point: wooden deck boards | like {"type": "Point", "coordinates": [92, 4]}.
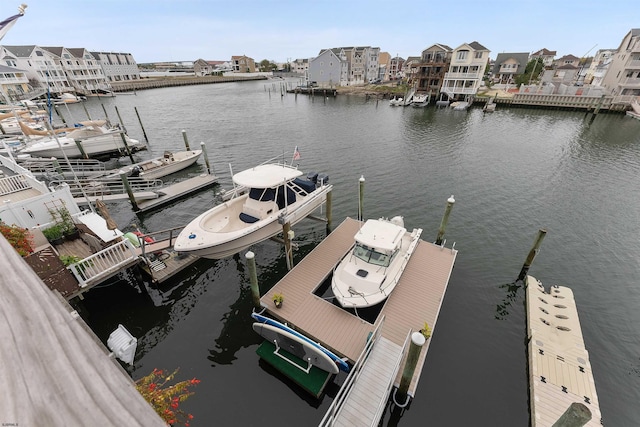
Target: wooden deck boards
{"type": "Point", "coordinates": [57, 373]}
{"type": "Point", "coordinates": [416, 299]}
{"type": "Point", "coordinates": [177, 190]}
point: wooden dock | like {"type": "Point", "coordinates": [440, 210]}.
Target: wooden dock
{"type": "Point", "coordinates": [177, 190]}
{"type": "Point", "coordinates": [416, 299]}
{"type": "Point", "coordinates": [559, 369]}
{"type": "Point", "coordinates": [59, 373]}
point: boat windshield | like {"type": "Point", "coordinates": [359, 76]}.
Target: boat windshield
{"type": "Point", "coordinates": [262, 194]}
{"type": "Point", "coordinates": [370, 255]}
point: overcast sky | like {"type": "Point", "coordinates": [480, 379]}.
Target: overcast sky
{"type": "Point", "coordinates": [281, 30]}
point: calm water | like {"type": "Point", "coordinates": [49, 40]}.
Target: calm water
{"type": "Point", "coordinates": [512, 172]}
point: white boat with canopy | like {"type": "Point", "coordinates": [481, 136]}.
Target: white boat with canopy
{"type": "Point", "coordinates": [367, 275]}
{"type": "Point", "coordinates": [275, 194]}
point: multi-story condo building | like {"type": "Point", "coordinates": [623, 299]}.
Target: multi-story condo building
{"type": "Point", "coordinates": [117, 66]}
{"type": "Point", "coordinates": [13, 83]}
{"type": "Point", "coordinates": [428, 72]}
{"type": "Point", "coordinates": [83, 71]}
{"type": "Point", "coordinates": [466, 70]}
{"type": "Point", "coordinates": [623, 75]}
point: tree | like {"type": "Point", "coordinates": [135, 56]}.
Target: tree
{"type": "Point", "coordinates": [531, 72]}
{"type": "Point", "coordinates": [266, 65]}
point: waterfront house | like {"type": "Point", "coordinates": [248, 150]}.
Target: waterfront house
{"type": "Point", "coordinates": [383, 65]}
{"type": "Point", "coordinates": [409, 67]}
{"type": "Point", "coordinates": [598, 67]}
{"type": "Point", "coordinates": [14, 82]}
{"type": "Point", "coordinates": [567, 60]}
{"type": "Point", "coordinates": [509, 65]}
{"type": "Point", "coordinates": [329, 69]}
{"type": "Point", "coordinates": [546, 55]}
{"type": "Point", "coordinates": [82, 70]}
{"type": "Point", "coordinates": [202, 67]}
{"type": "Point", "coordinates": [395, 68]}
{"type": "Point", "coordinates": [430, 70]}
{"type": "Point", "coordinates": [243, 64]}
{"type": "Point", "coordinates": [466, 70]}
{"type": "Point", "coordinates": [300, 66]}
{"type": "Point", "coordinates": [623, 75]}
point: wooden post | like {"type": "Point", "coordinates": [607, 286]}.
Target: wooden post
{"type": "Point", "coordinates": [532, 254]}
{"type": "Point", "coordinates": [56, 165]}
{"type": "Point", "coordinates": [186, 140]}
{"type": "Point", "coordinates": [79, 145]}
{"type": "Point", "coordinates": [126, 146]}
{"type": "Point", "coordinates": [253, 277]}
{"type": "Point", "coordinates": [361, 198]}
{"type": "Point", "coordinates": [120, 118]}
{"type": "Point", "coordinates": [86, 111]}
{"type": "Point", "coordinates": [125, 182]}
{"type": "Point", "coordinates": [328, 208]}
{"type": "Point", "coordinates": [141, 126]}
{"type": "Point", "coordinates": [417, 341]}
{"type": "Point", "coordinates": [206, 157]}
{"type": "Point", "coordinates": [445, 219]}
{"type": "Point", "coordinates": [60, 115]}
{"type": "Point", "coordinates": [576, 415]}
{"type": "Point", "coordinates": [288, 234]}
{"type": "Point", "coordinates": [106, 116]}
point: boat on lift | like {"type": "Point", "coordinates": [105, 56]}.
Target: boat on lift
{"type": "Point", "coordinates": [266, 197]}
{"type": "Point", "coordinates": [368, 274]}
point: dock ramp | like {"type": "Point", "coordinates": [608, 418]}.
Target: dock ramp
{"type": "Point", "coordinates": [364, 394]}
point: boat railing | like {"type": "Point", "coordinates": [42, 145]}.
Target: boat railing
{"type": "Point", "coordinates": [53, 166]}
{"type": "Point", "coordinates": [330, 416]}
{"type": "Point", "coordinates": [415, 238]}
{"type": "Point", "coordinates": [104, 263]}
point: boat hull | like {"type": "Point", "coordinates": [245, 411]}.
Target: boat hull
{"type": "Point", "coordinates": [101, 145]}
{"type": "Point", "coordinates": [213, 234]}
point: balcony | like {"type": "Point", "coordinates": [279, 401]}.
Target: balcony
{"type": "Point", "coordinates": [630, 83]}
{"type": "Point", "coordinates": [462, 76]}
{"type": "Point", "coordinates": [635, 64]}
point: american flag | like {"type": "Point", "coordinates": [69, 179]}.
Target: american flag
{"type": "Point", "coordinates": [8, 23]}
{"type": "Point", "coordinates": [296, 154]}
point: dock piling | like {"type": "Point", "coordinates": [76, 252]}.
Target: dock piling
{"type": "Point", "coordinates": [253, 278]}
{"type": "Point", "coordinates": [81, 148]}
{"type": "Point", "coordinates": [328, 207]}
{"type": "Point", "coordinates": [120, 118]}
{"type": "Point", "coordinates": [206, 157]}
{"type": "Point", "coordinates": [417, 341]}
{"type": "Point", "coordinates": [56, 165]}
{"type": "Point", "coordinates": [361, 198]}
{"type": "Point", "coordinates": [86, 111]}
{"type": "Point", "coordinates": [576, 415]}
{"type": "Point", "coordinates": [532, 254]}
{"type": "Point", "coordinates": [126, 147]}
{"type": "Point", "coordinates": [288, 235]}
{"type": "Point", "coordinates": [141, 126]}
{"type": "Point", "coordinates": [445, 219]}
{"type": "Point", "coordinates": [127, 186]}
{"type": "Point", "coordinates": [186, 140]}
{"type": "Point", "coordinates": [106, 116]}
{"type": "Point", "coordinates": [64, 122]}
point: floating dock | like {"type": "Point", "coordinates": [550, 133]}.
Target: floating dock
{"type": "Point", "coordinates": [177, 190]}
{"type": "Point", "coordinates": [560, 374]}
{"type": "Point", "coordinates": [416, 299]}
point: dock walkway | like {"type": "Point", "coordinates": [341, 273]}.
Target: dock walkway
{"type": "Point", "coordinates": [559, 369]}
{"type": "Point", "coordinates": [416, 299]}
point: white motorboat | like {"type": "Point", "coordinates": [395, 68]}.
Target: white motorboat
{"type": "Point", "coordinates": [276, 194]}
{"type": "Point", "coordinates": [420, 100]}
{"type": "Point", "coordinates": [95, 137]}
{"type": "Point", "coordinates": [394, 102]}
{"type": "Point", "coordinates": [158, 167]}
{"type": "Point", "coordinates": [367, 275]}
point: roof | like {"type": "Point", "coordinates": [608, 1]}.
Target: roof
{"type": "Point", "coordinates": [544, 52]}
{"type": "Point", "coordinates": [5, 69]}
{"type": "Point", "coordinates": [522, 58]}
{"type": "Point", "coordinates": [78, 52]}
{"type": "Point", "coordinates": [477, 46]}
{"type": "Point", "coordinates": [21, 51]}
{"type": "Point", "coordinates": [266, 176]}
{"type": "Point", "coordinates": [440, 46]}
{"type": "Point", "coordinates": [382, 235]}
{"type": "Point", "coordinates": [56, 50]}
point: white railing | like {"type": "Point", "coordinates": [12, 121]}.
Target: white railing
{"type": "Point", "coordinates": [330, 416]}
{"type": "Point", "coordinates": [13, 184]}
{"type": "Point", "coordinates": [103, 263]}
{"type": "Point", "coordinates": [470, 76]}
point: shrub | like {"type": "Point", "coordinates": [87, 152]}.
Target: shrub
{"type": "Point", "coordinates": [164, 398]}
{"type": "Point", "coordinates": [20, 238]}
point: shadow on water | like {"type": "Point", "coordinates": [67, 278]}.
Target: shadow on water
{"type": "Point", "coordinates": [511, 293]}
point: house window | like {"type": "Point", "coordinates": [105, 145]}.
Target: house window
{"type": "Point", "coordinates": [462, 55]}
{"type": "Point", "coordinates": [39, 53]}
{"type": "Point", "coordinates": [478, 55]}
